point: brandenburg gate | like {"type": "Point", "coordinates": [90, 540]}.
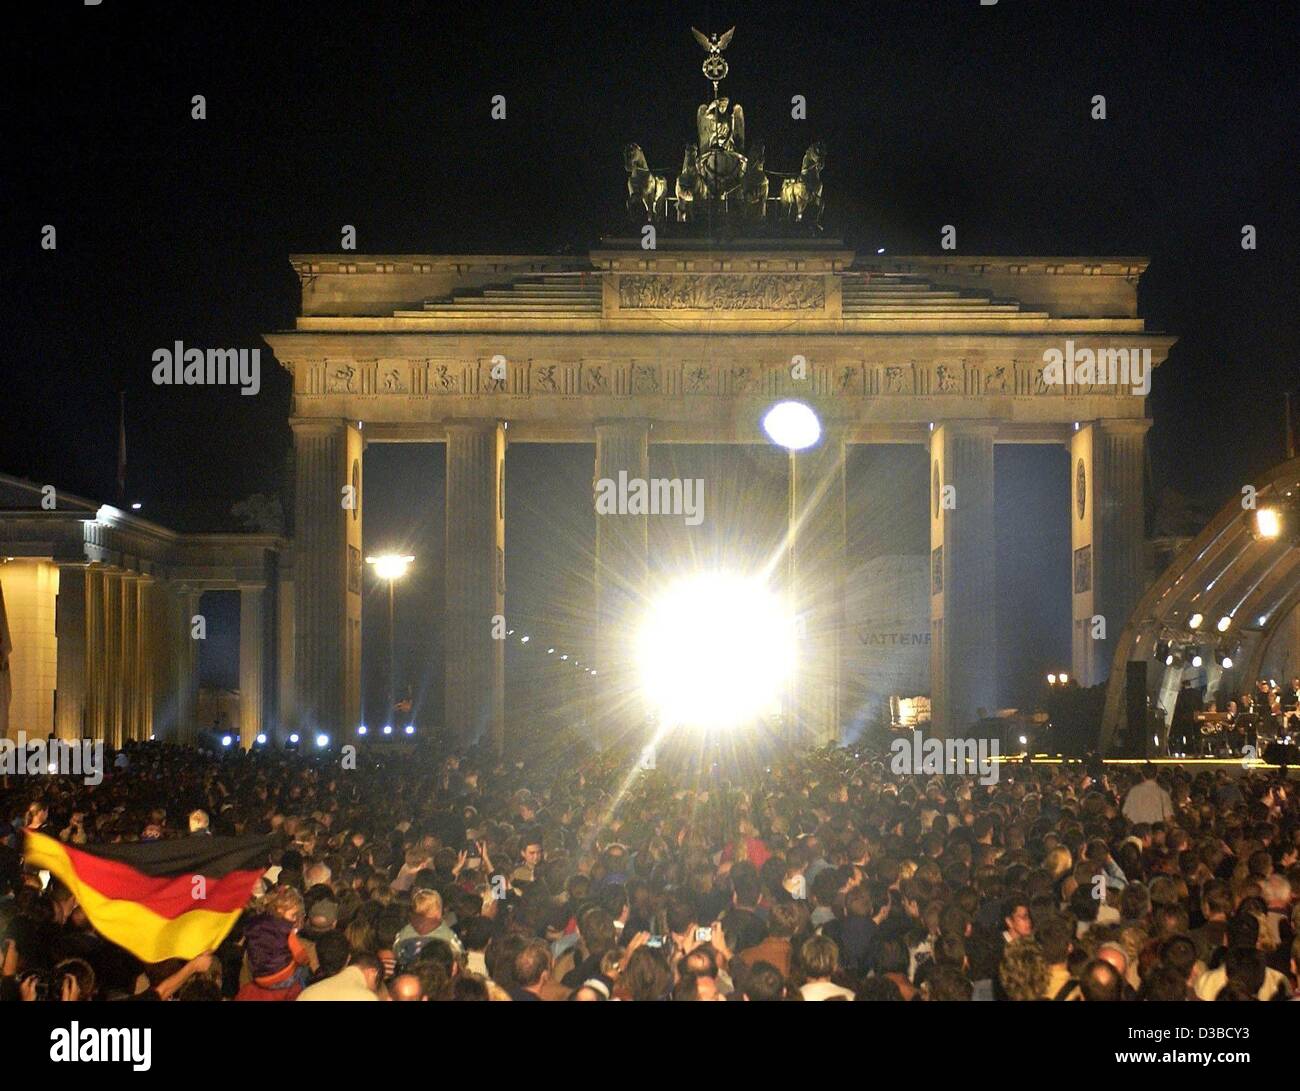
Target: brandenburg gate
{"type": "Point", "coordinates": [691, 343]}
{"type": "Point", "coordinates": [722, 300]}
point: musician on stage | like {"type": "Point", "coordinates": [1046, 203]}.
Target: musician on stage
{"type": "Point", "coordinates": [1233, 735]}
{"type": "Point", "coordinates": [1184, 731]}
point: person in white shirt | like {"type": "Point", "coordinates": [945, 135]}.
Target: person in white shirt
{"type": "Point", "coordinates": [1147, 801]}
{"type": "Point", "coordinates": [356, 981]}
{"type": "Point", "coordinates": [820, 959]}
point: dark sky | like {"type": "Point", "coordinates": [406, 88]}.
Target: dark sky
{"type": "Point", "coordinates": [377, 115]}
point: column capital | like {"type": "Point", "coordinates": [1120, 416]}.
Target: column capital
{"type": "Point", "coordinates": [969, 426]}
{"type": "Point", "coordinates": [642, 422]}
{"type": "Point", "coordinates": [1138, 426]}
{"type": "Point", "coordinates": [321, 425]}
{"type": "Point", "coordinates": [474, 424]}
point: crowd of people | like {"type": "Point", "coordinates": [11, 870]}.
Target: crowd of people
{"type": "Point", "coordinates": [567, 874]}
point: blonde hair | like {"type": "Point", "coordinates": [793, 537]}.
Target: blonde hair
{"type": "Point", "coordinates": [282, 901]}
{"type": "Point", "coordinates": [1058, 861]}
{"type": "Point", "coordinates": [427, 903]}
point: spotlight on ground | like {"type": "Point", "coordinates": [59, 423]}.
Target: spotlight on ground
{"type": "Point", "coordinates": [322, 740]}
{"type": "Point", "coordinates": [261, 740]}
{"type": "Point", "coordinates": [715, 651]}
{"type": "Point", "coordinates": [362, 730]}
{"type": "Point", "coordinates": [226, 740]}
{"type": "Point", "coordinates": [792, 425]}
{"type": "Point", "coordinates": [410, 729]}
{"type": "Point", "coordinates": [293, 739]}
{"type": "Point", "coordinates": [388, 729]}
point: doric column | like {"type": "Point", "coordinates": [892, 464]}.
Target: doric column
{"type": "Point", "coordinates": [622, 557]}
{"type": "Point", "coordinates": [1106, 534]}
{"type": "Point", "coordinates": [252, 649]}
{"type": "Point", "coordinates": [816, 547]}
{"type": "Point", "coordinates": [475, 580]}
{"type": "Point", "coordinates": [327, 571]}
{"type": "Point", "coordinates": [284, 658]}
{"type": "Point", "coordinates": [113, 658]}
{"type": "Point", "coordinates": [130, 664]}
{"type": "Point", "coordinates": [70, 633]}
{"type": "Point", "coordinates": [147, 656]}
{"type": "Point", "coordinates": [96, 653]}
{"type": "Point", "coordinates": [187, 666]}
{"type": "Point", "coordinates": [962, 590]}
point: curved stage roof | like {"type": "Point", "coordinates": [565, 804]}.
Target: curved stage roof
{"type": "Point", "coordinates": [1228, 571]}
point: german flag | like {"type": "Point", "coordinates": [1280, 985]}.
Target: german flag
{"type": "Point", "coordinates": [158, 899]}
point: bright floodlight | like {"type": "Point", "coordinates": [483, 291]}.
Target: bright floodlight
{"type": "Point", "coordinates": [410, 729]}
{"type": "Point", "coordinates": [1224, 623]}
{"type": "Point", "coordinates": [388, 729]}
{"type": "Point", "coordinates": [1227, 662]}
{"type": "Point", "coordinates": [1268, 523]}
{"type": "Point", "coordinates": [1194, 622]}
{"type": "Point", "coordinates": [792, 425]}
{"type": "Point", "coordinates": [294, 738]}
{"type": "Point", "coordinates": [715, 651]}
{"type": "Point", "coordinates": [1051, 679]}
{"type": "Point", "coordinates": [362, 729]}
{"type": "Point", "coordinates": [1064, 678]}
{"type": "Point", "coordinates": [226, 740]}
{"type": "Point", "coordinates": [261, 740]}
{"type": "Point", "coordinates": [390, 566]}
{"type": "Point", "coordinates": [322, 740]}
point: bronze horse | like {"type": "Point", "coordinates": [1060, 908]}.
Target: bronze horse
{"type": "Point", "coordinates": [647, 193]}
{"type": "Point", "coordinates": [754, 185]}
{"type": "Point", "coordinates": [689, 187]}
{"type": "Point", "coordinates": [802, 195]}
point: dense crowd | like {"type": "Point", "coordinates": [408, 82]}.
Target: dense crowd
{"type": "Point", "coordinates": [569, 874]}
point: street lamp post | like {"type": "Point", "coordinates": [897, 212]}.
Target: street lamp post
{"type": "Point", "coordinates": [796, 427]}
{"type": "Point", "coordinates": [391, 567]}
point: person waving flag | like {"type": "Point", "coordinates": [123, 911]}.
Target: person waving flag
{"type": "Point", "coordinates": [158, 899]}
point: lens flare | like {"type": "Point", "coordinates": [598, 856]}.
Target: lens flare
{"type": "Point", "coordinates": [715, 651]}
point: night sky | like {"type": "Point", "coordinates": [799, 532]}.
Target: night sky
{"type": "Point", "coordinates": [377, 115]}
